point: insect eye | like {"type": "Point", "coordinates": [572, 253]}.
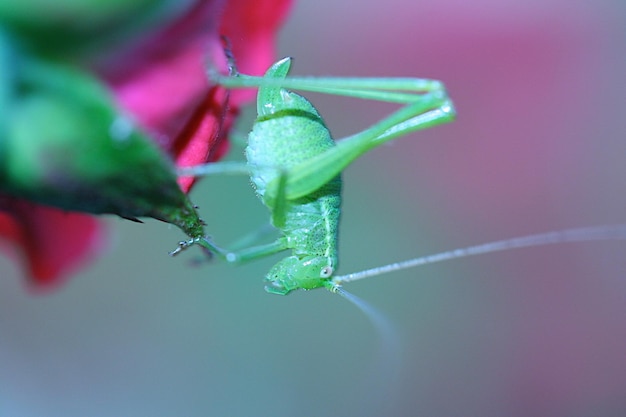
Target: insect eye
{"type": "Point", "coordinates": [326, 272]}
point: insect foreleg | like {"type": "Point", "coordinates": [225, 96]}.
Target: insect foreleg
{"type": "Point", "coordinates": [238, 256]}
{"type": "Point", "coordinates": [215, 168]}
{"type": "Point", "coordinates": [252, 238]}
{"type": "Point", "coordinates": [255, 252]}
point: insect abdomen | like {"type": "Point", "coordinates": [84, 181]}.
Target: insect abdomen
{"type": "Point", "coordinates": [288, 132]}
{"type": "Point", "coordinates": [293, 133]}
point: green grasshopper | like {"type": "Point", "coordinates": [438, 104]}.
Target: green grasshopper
{"type": "Point", "coordinates": [295, 167]}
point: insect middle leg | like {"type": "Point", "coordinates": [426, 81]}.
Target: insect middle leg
{"type": "Point", "coordinates": [240, 253]}
{"type": "Point", "coordinates": [278, 208]}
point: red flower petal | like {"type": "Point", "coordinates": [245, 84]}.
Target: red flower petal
{"type": "Point", "coordinates": [51, 243]}
{"type": "Point", "coordinates": [163, 81]}
{"type": "Point", "coordinates": [250, 25]}
{"type": "Point", "coordinates": [202, 139]}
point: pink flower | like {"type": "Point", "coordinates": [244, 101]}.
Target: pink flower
{"type": "Point", "coordinates": [160, 80]}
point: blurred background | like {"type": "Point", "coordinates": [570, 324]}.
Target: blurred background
{"type": "Point", "coordinates": [539, 145]}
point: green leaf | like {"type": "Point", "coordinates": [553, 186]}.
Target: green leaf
{"type": "Point", "coordinates": [66, 145]}
{"type": "Point", "coordinates": [63, 26]}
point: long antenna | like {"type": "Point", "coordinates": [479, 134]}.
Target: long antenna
{"type": "Point", "coordinates": [606, 232]}
{"type": "Point", "coordinates": [385, 372]}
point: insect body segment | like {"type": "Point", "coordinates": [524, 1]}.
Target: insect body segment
{"type": "Point", "coordinates": [288, 132]}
